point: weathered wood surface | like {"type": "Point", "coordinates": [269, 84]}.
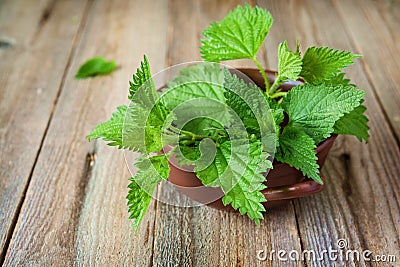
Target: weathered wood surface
{"type": "Point", "coordinates": [62, 200]}
{"type": "Point", "coordinates": [41, 42]}
{"type": "Point", "coordinates": [361, 204]}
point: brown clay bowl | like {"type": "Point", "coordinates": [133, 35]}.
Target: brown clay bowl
{"type": "Point", "coordinates": [283, 181]}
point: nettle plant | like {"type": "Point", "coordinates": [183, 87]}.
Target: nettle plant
{"type": "Point", "coordinates": [302, 117]}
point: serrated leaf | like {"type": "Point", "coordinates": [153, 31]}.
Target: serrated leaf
{"type": "Point", "coordinates": [278, 115]}
{"type": "Point", "coordinates": [202, 108]}
{"type": "Point", "coordinates": [322, 63]}
{"type": "Point", "coordinates": [339, 79]}
{"type": "Point", "coordinates": [138, 202]}
{"type": "Point", "coordinates": [111, 130]}
{"type": "Point", "coordinates": [187, 155]}
{"type": "Point", "coordinates": [246, 201]}
{"type": "Point", "coordinates": [203, 80]}
{"type": "Point", "coordinates": [298, 150]}
{"type": "Point", "coordinates": [160, 119]}
{"type": "Point", "coordinates": [142, 75]}
{"type": "Point", "coordinates": [151, 171]}
{"type": "Point", "coordinates": [314, 109]}
{"type": "Point", "coordinates": [138, 127]}
{"type": "Point", "coordinates": [236, 91]}
{"type": "Point", "coordinates": [197, 92]}
{"type": "Point", "coordinates": [239, 35]}
{"type": "Point", "coordinates": [146, 120]}
{"type": "Point", "coordinates": [277, 111]}
{"type": "Point", "coordinates": [95, 66]}
{"type": "Point", "coordinates": [146, 116]}
{"type": "Point", "coordinates": [289, 66]}
{"type": "Point", "coordinates": [204, 126]}
{"type": "Point", "coordinates": [354, 123]}
{"type": "Point", "coordinates": [251, 107]}
{"type": "Point", "coordinates": [237, 169]}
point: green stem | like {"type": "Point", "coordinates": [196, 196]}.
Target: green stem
{"type": "Point", "coordinates": [195, 136]}
{"type": "Point", "coordinates": [189, 135]}
{"type": "Point", "coordinates": [263, 74]}
{"type": "Point", "coordinates": [278, 94]}
{"type": "Point", "coordinates": [275, 85]}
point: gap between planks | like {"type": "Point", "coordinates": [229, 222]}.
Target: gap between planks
{"type": "Point", "coordinates": [44, 18]}
{"type": "Point", "coordinates": [368, 74]}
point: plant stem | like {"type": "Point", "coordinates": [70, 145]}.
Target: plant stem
{"type": "Point", "coordinates": [189, 135]}
{"type": "Point", "coordinates": [263, 74]}
{"type": "Point", "coordinates": [275, 85]}
{"type": "Point", "coordinates": [278, 94]}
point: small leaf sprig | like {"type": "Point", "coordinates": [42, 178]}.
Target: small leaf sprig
{"type": "Point", "coordinates": [95, 66]}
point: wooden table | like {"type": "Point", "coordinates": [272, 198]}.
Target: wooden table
{"type": "Point", "coordinates": [62, 199]}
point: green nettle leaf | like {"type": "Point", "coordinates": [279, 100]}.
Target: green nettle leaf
{"type": "Point", "coordinates": [239, 35]}
{"type": "Point", "coordinates": [289, 66]}
{"type": "Point", "coordinates": [160, 118]}
{"type": "Point", "coordinates": [314, 109]}
{"type": "Point", "coordinates": [238, 172]}
{"type": "Point", "coordinates": [204, 126]}
{"type": "Point", "coordinates": [247, 201]}
{"type": "Point", "coordinates": [141, 77]}
{"type": "Point", "coordinates": [238, 95]}
{"type": "Point", "coordinates": [203, 80]}
{"type": "Point", "coordinates": [151, 171]}
{"type": "Point", "coordinates": [298, 150]}
{"type": "Point", "coordinates": [138, 202]}
{"type": "Point", "coordinates": [321, 63]}
{"type": "Point", "coordinates": [111, 130]}
{"type": "Point", "coordinates": [139, 126]}
{"type": "Point", "coordinates": [354, 123]}
{"type": "Point", "coordinates": [145, 122]}
{"type": "Point", "coordinates": [197, 92]}
{"type": "Point", "coordinates": [339, 79]}
{"type": "Point", "coordinates": [95, 66]}
{"type": "Point", "coordinates": [277, 111]}
{"type": "Point", "coordinates": [156, 165]}
{"type": "Point", "coordinates": [188, 154]}
{"type": "Point", "coordinates": [278, 116]}
{"type": "Point", "coordinates": [251, 108]}
{"type": "Point", "coordinates": [146, 116]}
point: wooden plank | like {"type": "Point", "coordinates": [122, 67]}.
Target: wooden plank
{"type": "Point", "coordinates": [75, 214]}
{"type": "Point", "coordinates": [361, 203]}
{"type": "Point", "coordinates": [31, 71]}
{"type": "Point", "coordinates": [15, 33]}
{"type": "Point", "coordinates": [373, 27]}
{"type": "Point", "coordinates": [202, 236]}
{"type": "Point", "coordinates": [75, 211]}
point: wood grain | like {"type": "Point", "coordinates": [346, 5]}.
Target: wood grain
{"type": "Point", "coordinates": [378, 42]}
{"type": "Point", "coordinates": [31, 72]}
{"type": "Point", "coordinates": [360, 204]}
{"type": "Point", "coordinates": [62, 199]}
{"type": "Point", "coordinates": [74, 211]}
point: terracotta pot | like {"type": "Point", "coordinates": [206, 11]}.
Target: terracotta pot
{"type": "Point", "coordinates": [283, 181]}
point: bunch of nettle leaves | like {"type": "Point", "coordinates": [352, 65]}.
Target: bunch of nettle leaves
{"type": "Point", "coordinates": [325, 104]}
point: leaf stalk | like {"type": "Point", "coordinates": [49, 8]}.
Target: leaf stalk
{"type": "Point", "coordinates": [263, 74]}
